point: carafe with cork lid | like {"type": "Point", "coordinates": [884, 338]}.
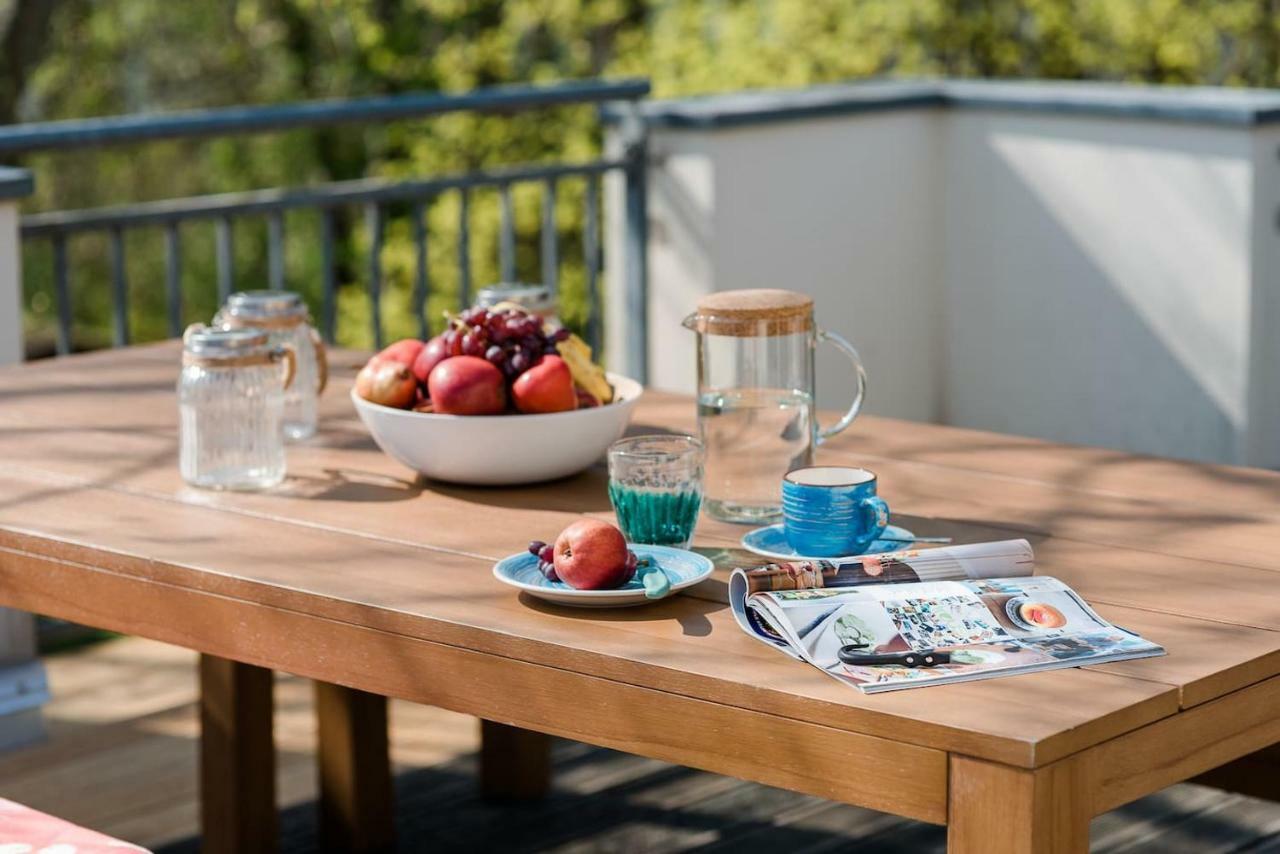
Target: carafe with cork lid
{"type": "Point", "coordinates": [756, 411]}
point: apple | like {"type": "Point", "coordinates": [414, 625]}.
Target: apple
{"type": "Point", "coordinates": [545, 387]}
{"type": "Point", "coordinates": [467, 385]}
{"type": "Point", "coordinates": [592, 555]}
{"type": "Point", "coordinates": [432, 354]}
{"type": "Point", "coordinates": [387, 383]}
{"type": "Point", "coordinates": [403, 351]}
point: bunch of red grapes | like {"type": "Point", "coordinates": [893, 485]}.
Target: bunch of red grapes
{"type": "Point", "coordinates": [511, 340]}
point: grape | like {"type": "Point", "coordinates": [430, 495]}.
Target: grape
{"type": "Point", "coordinates": [536, 546]}
{"type": "Point", "coordinates": [549, 572]}
{"type": "Point", "coordinates": [547, 553]}
{"type": "Point", "coordinates": [513, 340]}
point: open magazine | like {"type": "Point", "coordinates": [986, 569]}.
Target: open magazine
{"type": "Point", "coordinates": [979, 605]}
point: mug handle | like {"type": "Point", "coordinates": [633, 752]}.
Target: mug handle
{"type": "Point", "coordinates": [861, 376]}
{"type": "Point", "coordinates": [322, 360]}
{"type": "Point", "coordinates": [878, 512]}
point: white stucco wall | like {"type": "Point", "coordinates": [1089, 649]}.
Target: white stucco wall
{"type": "Point", "coordinates": [1097, 280]}
{"type": "Point", "coordinates": [840, 210]}
{"type": "Point", "coordinates": [1106, 280]}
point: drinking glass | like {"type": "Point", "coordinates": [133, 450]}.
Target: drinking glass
{"type": "Point", "coordinates": [655, 485]}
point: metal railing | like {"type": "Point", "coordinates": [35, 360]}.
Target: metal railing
{"type": "Point", "coordinates": [170, 216]}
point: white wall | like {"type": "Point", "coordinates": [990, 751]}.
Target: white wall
{"type": "Point", "coordinates": [11, 347]}
{"type": "Point", "coordinates": [843, 211]}
{"type": "Point", "coordinates": [1100, 280]}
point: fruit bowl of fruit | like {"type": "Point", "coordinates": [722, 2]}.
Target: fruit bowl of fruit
{"type": "Point", "coordinates": [500, 398]}
{"type": "Point", "coordinates": [591, 565]}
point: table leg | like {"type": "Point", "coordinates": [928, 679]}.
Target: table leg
{"type": "Point", "coordinates": [1256, 775]}
{"type": "Point", "coordinates": [237, 758]}
{"type": "Point", "coordinates": [357, 811]}
{"type": "Point", "coordinates": [999, 809]}
{"type": "Point", "coordinates": [515, 763]}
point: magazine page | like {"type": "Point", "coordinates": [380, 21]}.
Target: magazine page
{"type": "Point", "coordinates": [1003, 559]}
{"type": "Point", "coordinates": [988, 627]}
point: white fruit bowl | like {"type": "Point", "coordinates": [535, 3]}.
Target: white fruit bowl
{"type": "Point", "coordinates": [500, 450]}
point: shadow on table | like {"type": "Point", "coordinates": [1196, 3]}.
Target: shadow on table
{"type": "Point", "coordinates": [350, 485]}
{"type": "Point", "coordinates": [691, 613]}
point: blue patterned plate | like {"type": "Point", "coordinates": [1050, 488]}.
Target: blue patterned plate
{"type": "Point", "coordinates": [771, 541]}
{"type": "Point", "coordinates": [684, 568]}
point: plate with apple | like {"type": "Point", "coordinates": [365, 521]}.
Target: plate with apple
{"type": "Point", "coordinates": [499, 398]}
{"type": "Point", "coordinates": [591, 565]}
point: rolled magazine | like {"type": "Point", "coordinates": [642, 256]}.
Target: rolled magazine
{"type": "Point", "coordinates": [978, 609]}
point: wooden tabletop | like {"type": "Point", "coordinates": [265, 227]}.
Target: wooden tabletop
{"type": "Point", "coordinates": [329, 573]}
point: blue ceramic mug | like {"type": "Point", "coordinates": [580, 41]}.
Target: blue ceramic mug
{"type": "Point", "coordinates": [831, 511]}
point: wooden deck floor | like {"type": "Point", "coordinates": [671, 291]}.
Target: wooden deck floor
{"type": "Point", "coordinates": [121, 758]}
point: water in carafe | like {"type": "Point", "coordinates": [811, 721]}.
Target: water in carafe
{"type": "Point", "coordinates": [752, 435]}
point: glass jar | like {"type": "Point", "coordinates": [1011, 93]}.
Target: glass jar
{"type": "Point", "coordinates": [231, 400]}
{"type": "Point", "coordinates": [284, 317]}
{"type": "Point", "coordinates": [535, 299]}
{"type": "Point", "coordinates": [756, 413]}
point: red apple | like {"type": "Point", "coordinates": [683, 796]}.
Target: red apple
{"type": "Point", "coordinates": [546, 387]}
{"type": "Point", "coordinates": [387, 383]}
{"type": "Point", "coordinates": [403, 351]}
{"type": "Point", "coordinates": [467, 385]}
{"type": "Point", "coordinates": [592, 555]}
{"type": "Point", "coordinates": [432, 354]}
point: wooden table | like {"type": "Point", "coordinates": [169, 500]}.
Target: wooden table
{"type": "Point", "coordinates": [374, 584]}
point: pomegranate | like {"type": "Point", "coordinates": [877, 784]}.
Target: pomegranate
{"type": "Point", "coordinates": [387, 383]}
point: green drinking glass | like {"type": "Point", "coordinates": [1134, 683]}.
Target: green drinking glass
{"type": "Point", "coordinates": [655, 485]}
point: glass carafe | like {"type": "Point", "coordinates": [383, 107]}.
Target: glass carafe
{"type": "Point", "coordinates": [756, 412]}
{"type": "Point", "coordinates": [284, 317]}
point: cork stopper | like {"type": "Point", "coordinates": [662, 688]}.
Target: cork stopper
{"type": "Point", "coordinates": [746, 313]}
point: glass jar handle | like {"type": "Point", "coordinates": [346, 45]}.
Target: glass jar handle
{"type": "Point", "coordinates": [861, 375]}
{"type": "Point", "coordinates": [322, 360]}
{"type": "Point", "coordinates": [290, 363]}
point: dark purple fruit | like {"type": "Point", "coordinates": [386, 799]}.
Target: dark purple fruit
{"type": "Point", "coordinates": [547, 553]}
{"type": "Point", "coordinates": [536, 546]}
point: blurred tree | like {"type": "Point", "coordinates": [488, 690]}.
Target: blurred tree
{"type": "Point", "coordinates": [114, 56]}
{"type": "Point", "coordinates": [24, 30]}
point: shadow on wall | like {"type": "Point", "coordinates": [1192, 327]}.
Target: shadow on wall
{"type": "Point", "coordinates": [1102, 297]}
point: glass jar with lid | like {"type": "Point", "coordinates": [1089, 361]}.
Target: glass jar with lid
{"type": "Point", "coordinates": [231, 401]}
{"type": "Point", "coordinates": [284, 317]}
{"type": "Point", "coordinates": [535, 299]}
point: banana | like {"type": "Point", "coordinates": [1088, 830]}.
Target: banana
{"type": "Point", "coordinates": [586, 373]}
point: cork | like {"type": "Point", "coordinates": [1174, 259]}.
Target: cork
{"type": "Point", "coordinates": [746, 313]}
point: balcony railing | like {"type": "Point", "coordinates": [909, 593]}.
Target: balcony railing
{"type": "Point", "coordinates": [170, 218]}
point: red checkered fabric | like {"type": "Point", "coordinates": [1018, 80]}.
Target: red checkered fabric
{"type": "Point", "coordinates": [26, 831]}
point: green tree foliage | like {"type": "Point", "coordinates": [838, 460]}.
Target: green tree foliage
{"type": "Point", "coordinates": [113, 56]}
